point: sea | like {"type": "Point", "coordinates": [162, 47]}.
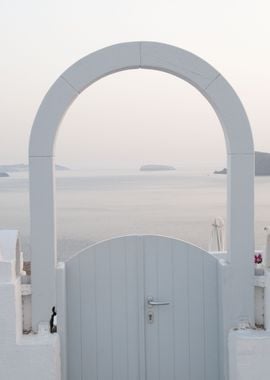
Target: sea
{"type": "Point", "coordinates": [94, 205]}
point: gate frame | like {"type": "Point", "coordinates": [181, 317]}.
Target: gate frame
{"type": "Point", "coordinates": [238, 292]}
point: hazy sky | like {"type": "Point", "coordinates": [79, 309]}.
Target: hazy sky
{"type": "Point", "coordinates": [137, 116]}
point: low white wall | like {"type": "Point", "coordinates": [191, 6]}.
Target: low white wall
{"type": "Point", "coordinates": [32, 357]}
{"type": "Point", "coordinates": [27, 357]}
{"type": "Point", "coordinates": [249, 355]}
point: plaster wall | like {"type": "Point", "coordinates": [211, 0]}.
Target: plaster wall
{"type": "Point", "coordinates": [33, 356]}
{"type": "Point", "coordinates": [249, 352]}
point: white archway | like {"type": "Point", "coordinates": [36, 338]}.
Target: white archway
{"type": "Point", "coordinates": [240, 152]}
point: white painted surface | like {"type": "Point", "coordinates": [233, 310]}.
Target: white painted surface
{"type": "Point", "coordinates": [8, 245]}
{"type": "Point", "coordinates": [56, 102]}
{"type": "Point", "coordinates": [109, 60]}
{"type": "Point", "coordinates": [27, 312]}
{"type": "Point", "coordinates": [31, 358]}
{"type": "Point", "coordinates": [240, 164]}
{"type": "Point", "coordinates": [240, 237]}
{"type": "Point", "coordinates": [267, 300]}
{"type": "Point", "coordinates": [28, 357]}
{"type": "Point", "coordinates": [266, 251]}
{"type": "Point", "coordinates": [232, 116]}
{"type": "Point", "coordinates": [249, 352]}
{"type": "Point", "coordinates": [43, 240]}
{"type": "Point", "coordinates": [259, 306]}
{"type": "Point", "coordinates": [62, 315]}
{"type": "Point", "coordinates": [178, 62]}
{"type": "Point", "coordinates": [109, 335]}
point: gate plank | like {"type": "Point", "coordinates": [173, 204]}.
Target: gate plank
{"type": "Point", "coordinates": [104, 315]}
{"type": "Point", "coordinates": [118, 308]}
{"type": "Point", "coordinates": [74, 356]}
{"type": "Point", "coordinates": [181, 309]}
{"type": "Point", "coordinates": [211, 318]}
{"type": "Point", "coordinates": [135, 308]}
{"type": "Point", "coordinates": [88, 313]}
{"type": "Point", "coordinates": [196, 313]}
{"type": "Point", "coordinates": [166, 312]}
{"type": "Point", "coordinates": [150, 245]}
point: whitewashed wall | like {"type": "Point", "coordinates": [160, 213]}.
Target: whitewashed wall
{"type": "Point", "coordinates": [249, 353]}
{"type": "Point", "coordinates": [33, 356]}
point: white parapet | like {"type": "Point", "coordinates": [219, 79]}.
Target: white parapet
{"type": "Point", "coordinates": [33, 356]}
{"type": "Point", "coordinates": [249, 355]}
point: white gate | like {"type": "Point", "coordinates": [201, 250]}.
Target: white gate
{"type": "Point", "coordinates": [142, 308]}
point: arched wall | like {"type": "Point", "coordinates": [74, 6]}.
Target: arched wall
{"type": "Point", "coordinates": [240, 153]}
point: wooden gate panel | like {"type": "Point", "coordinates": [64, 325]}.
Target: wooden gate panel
{"type": "Point", "coordinates": [181, 303]}
{"type": "Point", "coordinates": [88, 288]}
{"type": "Point", "coordinates": [109, 335]}
{"type": "Point", "coordinates": [211, 317]}
{"type": "Point", "coordinates": [119, 310]}
{"type": "Point", "coordinates": [103, 311]}
{"type": "Point", "coordinates": [151, 289]}
{"type": "Point", "coordinates": [166, 313]}
{"type": "Point", "coordinates": [159, 284]}
{"type": "Point", "coordinates": [184, 338]}
{"type": "Point", "coordinates": [74, 346]}
{"type": "Point", "coordinates": [196, 313]}
{"type": "Point", "coordinates": [135, 308]}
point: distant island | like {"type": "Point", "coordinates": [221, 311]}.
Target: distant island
{"type": "Point", "coordinates": [262, 165]}
{"type": "Point", "coordinates": [2, 174]}
{"type": "Point", "coordinates": [16, 168]}
{"type": "Point", "coordinates": [223, 171]}
{"type": "Point", "coordinates": [155, 167]}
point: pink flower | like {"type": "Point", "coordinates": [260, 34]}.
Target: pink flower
{"type": "Point", "coordinates": [258, 259]}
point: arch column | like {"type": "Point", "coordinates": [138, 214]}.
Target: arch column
{"type": "Point", "coordinates": [225, 102]}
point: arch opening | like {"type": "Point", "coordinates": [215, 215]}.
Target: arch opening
{"type": "Point", "coordinates": [122, 122]}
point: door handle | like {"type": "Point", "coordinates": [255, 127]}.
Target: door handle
{"type": "Point", "coordinates": [152, 302]}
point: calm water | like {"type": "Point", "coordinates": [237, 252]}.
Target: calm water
{"type": "Point", "coordinates": [97, 205]}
